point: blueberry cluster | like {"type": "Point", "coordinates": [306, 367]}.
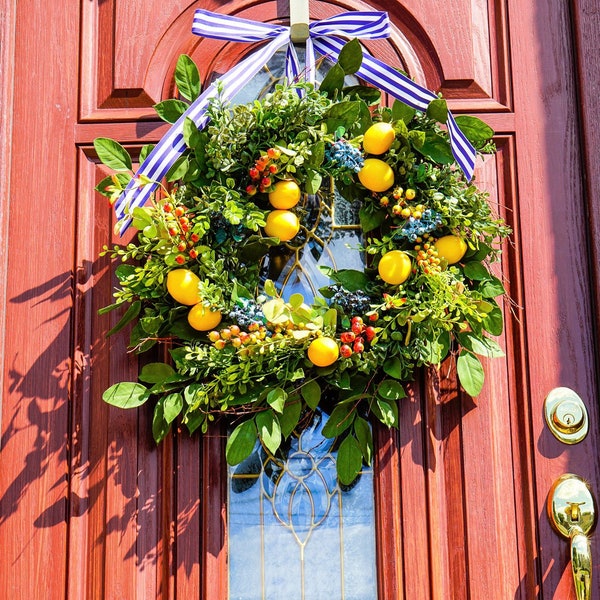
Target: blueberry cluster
{"type": "Point", "coordinates": [247, 313]}
{"type": "Point", "coordinates": [414, 228]}
{"type": "Point", "coordinates": [343, 154]}
{"type": "Point", "coordinates": [352, 303]}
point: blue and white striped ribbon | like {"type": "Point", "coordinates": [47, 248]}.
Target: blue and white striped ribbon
{"type": "Point", "coordinates": [323, 39]}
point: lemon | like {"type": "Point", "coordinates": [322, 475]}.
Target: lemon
{"type": "Point", "coordinates": [395, 267]}
{"type": "Point", "coordinates": [376, 175]}
{"type": "Point", "coordinates": [182, 284]}
{"type": "Point", "coordinates": [282, 224]}
{"type": "Point", "coordinates": [286, 194]}
{"type": "Point", "coordinates": [203, 318]}
{"type": "Point", "coordinates": [378, 138]}
{"type": "Point", "coordinates": [323, 351]}
{"type": "Point", "coordinates": [451, 247]}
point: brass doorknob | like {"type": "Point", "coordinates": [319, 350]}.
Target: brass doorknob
{"type": "Point", "coordinates": [572, 512]}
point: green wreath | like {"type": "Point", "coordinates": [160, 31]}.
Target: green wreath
{"type": "Point", "coordinates": [201, 275]}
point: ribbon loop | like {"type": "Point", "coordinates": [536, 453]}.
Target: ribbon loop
{"type": "Point", "coordinates": [323, 38]}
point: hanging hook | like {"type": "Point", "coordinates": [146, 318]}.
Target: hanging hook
{"type": "Point", "coordinates": [299, 20]}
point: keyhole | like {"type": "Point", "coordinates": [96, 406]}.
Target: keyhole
{"type": "Point", "coordinates": [569, 419]}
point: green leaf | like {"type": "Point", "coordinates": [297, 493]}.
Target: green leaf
{"type": "Point", "coordinates": [393, 367]}
{"type": "Point", "coordinates": [348, 460]}
{"type": "Point", "coordinates": [351, 280]}
{"type": "Point", "coordinates": [178, 169]}
{"type": "Point", "coordinates": [351, 57]}
{"type": "Point", "coordinates": [290, 417]}
{"type": "Point", "coordinates": [187, 78]}
{"type": "Point", "coordinates": [126, 394]}
{"type": "Point", "coordinates": [276, 399]}
{"type": "Point", "coordinates": [313, 181]}
{"type": "Point", "coordinates": [241, 442]}
{"type": "Point", "coordinates": [370, 220]}
{"type": "Point", "coordinates": [191, 135]}
{"type": "Point", "coordinates": [340, 419]}
{"type": "Point", "coordinates": [193, 420]}
{"type": "Point", "coordinates": [390, 389]}
{"type": "Point", "coordinates": [269, 430]}
{"type": "Point", "coordinates": [483, 346]}
{"type": "Point", "coordinates": [364, 437]}
{"type": "Point", "coordinates": [402, 112]}
{"type": "Point", "coordinates": [172, 406]}
{"type": "Point", "coordinates": [470, 372]}
{"type": "Point", "coordinates": [145, 151]}
{"type": "Point", "coordinates": [141, 218]}
{"type": "Point", "coordinates": [367, 94]}
{"type": "Point", "coordinates": [155, 372]}
{"type": "Point", "coordinates": [112, 154]}
{"type": "Point", "coordinates": [437, 148]}
{"type": "Point", "coordinates": [317, 154]}
{"type": "Point", "coordinates": [160, 427]}
{"type": "Point", "coordinates": [130, 314]}
{"type": "Point", "coordinates": [386, 412]}
{"type": "Point", "coordinates": [333, 82]}
{"type": "Point", "coordinates": [491, 288]}
{"type": "Point", "coordinates": [342, 114]}
{"type": "Point", "coordinates": [170, 110]}
{"type": "Point", "coordinates": [311, 392]}
{"type": "Point", "coordinates": [476, 271]}
{"type": "Point", "coordinates": [474, 129]}
{"type": "Point", "coordinates": [108, 186]}
{"type": "Point", "coordinates": [494, 321]}
{"type": "Point", "coordinates": [438, 110]}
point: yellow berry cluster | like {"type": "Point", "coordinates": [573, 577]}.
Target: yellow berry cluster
{"type": "Point", "coordinates": [402, 206]}
{"type": "Point", "coordinates": [427, 255]}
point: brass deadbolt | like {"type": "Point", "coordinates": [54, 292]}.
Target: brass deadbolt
{"type": "Point", "coordinates": [566, 415]}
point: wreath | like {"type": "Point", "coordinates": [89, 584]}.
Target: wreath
{"type": "Point", "coordinates": [251, 194]}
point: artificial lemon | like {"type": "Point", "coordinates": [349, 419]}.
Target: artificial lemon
{"type": "Point", "coordinates": [282, 224]}
{"type": "Point", "coordinates": [378, 138]}
{"type": "Point", "coordinates": [203, 318]}
{"type": "Point", "coordinates": [451, 247]}
{"type": "Point", "coordinates": [182, 284]}
{"type": "Point", "coordinates": [376, 175]}
{"type": "Point", "coordinates": [285, 194]}
{"type": "Point", "coordinates": [395, 267]}
{"type": "Point", "coordinates": [323, 351]}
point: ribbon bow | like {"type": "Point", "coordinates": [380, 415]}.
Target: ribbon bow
{"type": "Point", "coordinates": [323, 38]}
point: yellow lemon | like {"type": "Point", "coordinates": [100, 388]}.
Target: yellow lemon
{"type": "Point", "coordinates": [376, 175]}
{"type": "Point", "coordinates": [286, 194]}
{"type": "Point", "coordinates": [323, 351]}
{"type": "Point", "coordinates": [182, 284]}
{"type": "Point", "coordinates": [395, 267]}
{"type": "Point", "coordinates": [203, 318]}
{"type": "Point", "coordinates": [282, 224]}
{"type": "Point", "coordinates": [451, 247]}
{"type": "Point", "coordinates": [378, 138]}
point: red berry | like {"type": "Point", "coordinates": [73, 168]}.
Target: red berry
{"type": "Point", "coordinates": [273, 169]}
{"type": "Point", "coordinates": [172, 231]}
{"type": "Point", "coordinates": [357, 319]}
{"type": "Point", "coordinates": [168, 207]}
{"type": "Point", "coordinates": [179, 211]}
{"type": "Point", "coordinates": [273, 153]}
{"type": "Point", "coordinates": [370, 333]}
{"type": "Point", "coordinates": [357, 327]}
{"type": "Point", "coordinates": [373, 317]}
{"type": "Point", "coordinates": [193, 254]}
{"type": "Point", "coordinates": [181, 246]}
{"type": "Point", "coordinates": [358, 346]}
{"type": "Point", "coordinates": [347, 337]}
{"type": "Point", "coordinates": [213, 336]}
{"type": "Point", "coordinates": [235, 330]}
{"type": "Point", "coordinates": [254, 174]}
{"type": "Point", "coordinates": [194, 237]}
{"type": "Point", "coordinates": [345, 350]}
{"type": "Point", "coordinates": [220, 344]}
{"type": "Point", "coordinates": [180, 259]}
{"type": "Point", "coordinates": [251, 190]}
{"type": "Point", "coordinates": [266, 182]}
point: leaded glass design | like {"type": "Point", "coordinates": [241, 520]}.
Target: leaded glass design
{"type": "Point", "coordinates": [294, 534]}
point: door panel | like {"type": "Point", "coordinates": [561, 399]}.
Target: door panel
{"type": "Point", "coordinates": [90, 508]}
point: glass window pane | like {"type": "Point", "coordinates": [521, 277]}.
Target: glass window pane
{"type": "Point", "coordinates": [293, 532]}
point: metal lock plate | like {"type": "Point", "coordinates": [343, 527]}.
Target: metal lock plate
{"type": "Point", "coordinates": [566, 415]}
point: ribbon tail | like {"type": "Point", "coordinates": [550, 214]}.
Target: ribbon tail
{"type": "Point", "coordinates": [414, 95]}
{"type": "Point", "coordinates": [172, 145]}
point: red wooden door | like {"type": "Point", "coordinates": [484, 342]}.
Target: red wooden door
{"type": "Point", "coordinates": [90, 508]}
